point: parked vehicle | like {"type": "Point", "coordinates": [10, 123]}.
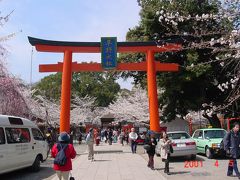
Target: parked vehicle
{"type": "Point", "coordinates": [208, 141]}
{"type": "Point", "coordinates": [21, 144]}
{"type": "Point", "coordinates": [182, 143]}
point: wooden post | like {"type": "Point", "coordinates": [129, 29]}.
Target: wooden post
{"type": "Point", "coordinates": [66, 92]}
{"type": "Point", "coordinates": [152, 93]}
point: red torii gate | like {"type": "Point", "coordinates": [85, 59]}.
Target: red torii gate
{"type": "Point", "coordinates": [67, 67]}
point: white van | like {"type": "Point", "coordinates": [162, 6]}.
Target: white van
{"type": "Point", "coordinates": [21, 144]}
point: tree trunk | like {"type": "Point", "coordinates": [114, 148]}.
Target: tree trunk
{"type": "Point", "coordinates": [214, 121]}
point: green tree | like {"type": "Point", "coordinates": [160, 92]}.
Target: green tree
{"type": "Point", "coordinates": [50, 86]}
{"type": "Point", "coordinates": [196, 82]}
{"type": "Point", "coordinates": [102, 86]}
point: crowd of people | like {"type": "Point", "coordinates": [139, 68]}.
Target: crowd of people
{"type": "Point", "coordinates": [63, 164]}
{"type": "Point", "coordinates": [133, 138]}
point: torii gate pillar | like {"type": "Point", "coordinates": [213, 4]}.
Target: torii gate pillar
{"type": "Point", "coordinates": [152, 93]}
{"type": "Point", "coordinates": [66, 92]}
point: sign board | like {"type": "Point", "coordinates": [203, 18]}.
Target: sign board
{"type": "Point", "coordinates": [109, 52]}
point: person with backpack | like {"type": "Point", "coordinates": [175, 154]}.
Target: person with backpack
{"type": "Point", "coordinates": [231, 143]}
{"type": "Point", "coordinates": [90, 143]}
{"type": "Point", "coordinates": [63, 152]}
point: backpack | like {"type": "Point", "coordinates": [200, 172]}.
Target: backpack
{"type": "Point", "coordinates": [61, 158]}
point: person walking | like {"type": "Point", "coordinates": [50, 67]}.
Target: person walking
{"type": "Point", "coordinates": [151, 151]}
{"type": "Point", "coordinates": [133, 139]}
{"type": "Point", "coordinates": [98, 138]}
{"type": "Point", "coordinates": [231, 143]}
{"type": "Point", "coordinates": [106, 135]}
{"type": "Point", "coordinates": [102, 134]}
{"type": "Point", "coordinates": [80, 138]}
{"type": "Point", "coordinates": [49, 139]}
{"type": "Point", "coordinates": [165, 151]}
{"type": "Point", "coordinates": [115, 135]}
{"type": "Point", "coordinates": [122, 137]}
{"type": "Point", "coordinates": [90, 143]}
{"type": "Point", "coordinates": [110, 136]}
{"type": "Point", "coordinates": [126, 136]}
{"type": "Point", "coordinates": [63, 152]}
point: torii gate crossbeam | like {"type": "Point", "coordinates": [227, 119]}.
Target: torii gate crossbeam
{"type": "Point", "coordinates": [67, 67]}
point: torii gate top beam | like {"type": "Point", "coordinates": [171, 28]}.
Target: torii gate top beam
{"type": "Point", "coordinates": [95, 47]}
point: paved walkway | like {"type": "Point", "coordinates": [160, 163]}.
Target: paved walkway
{"type": "Point", "coordinates": [113, 163]}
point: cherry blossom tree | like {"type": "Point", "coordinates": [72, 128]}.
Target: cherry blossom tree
{"type": "Point", "coordinates": [83, 109]}
{"type": "Point", "coordinates": [11, 101]}
{"type": "Point", "coordinates": [131, 106]}
{"type": "Point", "coordinates": [225, 39]}
{"type": "Point", "coordinates": [209, 60]}
{"type": "Point", "coordinates": [49, 110]}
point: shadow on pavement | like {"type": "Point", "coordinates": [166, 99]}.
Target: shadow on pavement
{"type": "Point", "coordinates": [161, 169]}
{"type": "Point", "coordinates": [215, 157]}
{"type": "Point", "coordinates": [179, 172]}
{"type": "Point", "coordinates": [201, 174]}
{"type": "Point", "coordinates": [25, 174]}
{"type": "Point", "coordinates": [107, 151]}
{"type": "Point", "coordinates": [79, 154]}
{"type": "Point", "coordinates": [101, 160]}
{"type": "Point", "coordinates": [183, 159]}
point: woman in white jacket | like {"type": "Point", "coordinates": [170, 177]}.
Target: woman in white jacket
{"type": "Point", "coordinates": [133, 136]}
{"type": "Point", "coordinates": [90, 142]}
{"type": "Point", "coordinates": [165, 151]}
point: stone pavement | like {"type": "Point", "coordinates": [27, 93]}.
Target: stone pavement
{"type": "Point", "coordinates": [113, 162]}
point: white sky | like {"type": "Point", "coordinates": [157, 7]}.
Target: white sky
{"type": "Point", "coordinates": [72, 20]}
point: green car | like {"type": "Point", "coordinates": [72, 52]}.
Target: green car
{"type": "Point", "coordinates": [208, 141]}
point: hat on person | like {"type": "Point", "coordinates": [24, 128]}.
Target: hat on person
{"type": "Point", "coordinates": [63, 137]}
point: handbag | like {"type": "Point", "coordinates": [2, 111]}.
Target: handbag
{"type": "Point", "coordinates": [146, 147]}
{"type": "Point", "coordinates": [171, 149]}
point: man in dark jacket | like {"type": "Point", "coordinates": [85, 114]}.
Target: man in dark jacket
{"type": "Point", "coordinates": [151, 151]}
{"type": "Point", "coordinates": [110, 136]}
{"type": "Point", "coordinates": [231, 144]}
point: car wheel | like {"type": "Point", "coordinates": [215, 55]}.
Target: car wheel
{"type": "Point", "coordinates": [36, 164]}
{"type": "Point", "coordinates": [193, 156]}
{"type": "Point", "coordinates": [208, 153]}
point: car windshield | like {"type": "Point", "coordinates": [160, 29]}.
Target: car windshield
{"type": "Point", "coordinates": [178, 136]}
{"type": "Point", "coordinates": [211, 134]}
